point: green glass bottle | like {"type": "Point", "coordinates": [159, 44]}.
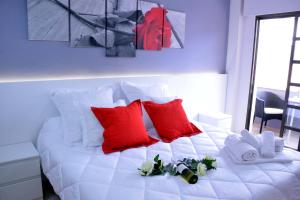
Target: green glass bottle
{"type": "Point", "coordinates": [187, 174]}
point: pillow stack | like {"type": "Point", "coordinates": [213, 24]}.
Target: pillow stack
{"type": "Point", "coordinates": [92, 130]}
{"type": "Point", "coordinates": [92, 118]}
{"type": "Point", "coordinates": [161, 110]}
{"type": "Point", "coordinates": [170, 120]}
{"type": "Point", "coordinates": [146, 93]}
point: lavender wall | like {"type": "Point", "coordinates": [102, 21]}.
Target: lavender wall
{"type": "Point", "coordinates": [205, 47]}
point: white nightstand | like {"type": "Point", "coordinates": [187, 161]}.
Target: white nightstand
{"type": "Point", "coordinates": [20, 176]}
{"type": "Point", "coordinates": [217, 119]}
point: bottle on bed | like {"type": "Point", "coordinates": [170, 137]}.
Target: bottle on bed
{"type": "Point", "coordinates": [187, 174]}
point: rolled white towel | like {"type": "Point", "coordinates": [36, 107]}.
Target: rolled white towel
{"type": "Point", "coordinates": [232, 139]}
{"type": "Point", "coordinates": [267, 148]}
{"type": "Point", "coordinates": [241, 150]}
{"type": "Point", "coordinates": [279, 143]}
{"type": "Point", "coordinates": [250, 139]}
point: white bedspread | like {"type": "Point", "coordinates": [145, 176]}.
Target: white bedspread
{"type": "Point", "coordinates": [80, 174]}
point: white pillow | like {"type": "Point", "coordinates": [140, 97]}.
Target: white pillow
{"type": "Point", "coordinates": [92, 130]}
{"type": "Point", "coordinates": [145, 93]}
{"type": "Point", "coordinates": [163, 99]}
{"type": "Point", "coordinates": [66, 102]}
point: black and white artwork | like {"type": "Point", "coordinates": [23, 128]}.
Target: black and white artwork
{"type": "Point", "coordinates": [177, 22]}
{"type": "Point", "coordinates": [47, 20]}
{"type": "Point", "coordinates": [88, 22]}
{"type": "Point", "coordinates": [119, 26]}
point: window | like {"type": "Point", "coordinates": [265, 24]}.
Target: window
{"type": "Point", "coordinates": [277, 37]}
{"type": "Point", "coordinates": [298, 29]}
{"type": "Point", "coordinates": [297, 51]}
{"type": "Point", "coordinates": [273, 56]}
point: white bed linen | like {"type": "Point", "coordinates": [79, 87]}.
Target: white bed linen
{"type": "Point", "coordinates": [80, 174]}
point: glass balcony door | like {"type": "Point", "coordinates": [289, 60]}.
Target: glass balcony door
{"type": "Point", "coordinates": [291, 118]}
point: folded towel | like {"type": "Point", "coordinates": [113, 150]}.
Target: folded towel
{"type": "Point", "coordinates": [279, 143]}
{"type": "Point", "coordinates": [267, 148]}
{"type": "Point", "coordinates": [241, 150]}
{"type": "Point", "coordinates": [250, 139]}
{"type": "Point", "coordinates": [282, 157]}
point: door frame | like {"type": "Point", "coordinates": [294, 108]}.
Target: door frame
{"type": "Point", "coordinates": [254, 57]}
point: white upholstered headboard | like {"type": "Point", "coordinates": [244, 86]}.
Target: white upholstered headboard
{"type": "Point", "coordinates": [24, 106]}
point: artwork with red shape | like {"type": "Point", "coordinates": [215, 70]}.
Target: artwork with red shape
{"type": "Point", "coordinates": [119, 26]}
{"type": "Point", "coordinates": [155, 31]}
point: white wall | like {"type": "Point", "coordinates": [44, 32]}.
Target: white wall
{"type": "Point", "coordinates": [263, 7]}
{"type": "Point", "coordinates": [240, 48]}
{"type": "Point", "coordinates": [24, 106]}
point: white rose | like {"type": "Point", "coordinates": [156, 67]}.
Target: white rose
{"type": "Point", "coordinates": [201, 169]}
{"type": "Point", "coordinates": [146, 168]}
{"type": "Point", "coordinates": [214, 164]}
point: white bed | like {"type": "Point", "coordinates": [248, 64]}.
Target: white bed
{"type": "Point", "coordinates": [77, 173]}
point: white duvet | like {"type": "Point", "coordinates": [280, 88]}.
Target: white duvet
{"type": "Point", "coordinates": [80, 174]}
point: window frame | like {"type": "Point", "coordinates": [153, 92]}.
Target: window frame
{"type": "Point", "coordinates": [258, 18]}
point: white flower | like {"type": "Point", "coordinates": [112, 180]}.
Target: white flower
{"type": "Point", "coordinates": [214, 164]}
{"type": "Point", "coordinates": [146, 168]}
{"type": "Point", "coordinates": [201, 169]}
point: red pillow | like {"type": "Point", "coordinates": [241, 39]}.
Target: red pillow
{"type": "Point", "coordinates": [123, 127]}
{"type": "Point", "coordinates": [170, 120]}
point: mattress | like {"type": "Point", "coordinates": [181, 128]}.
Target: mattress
{"type": "Point", "coordinates": [77, 173]}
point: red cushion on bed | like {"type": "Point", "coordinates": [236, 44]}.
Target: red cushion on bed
{"type": "Point", "coordinates": [123, 127]}
{"type": "Point", "coordinates": [170, 120]}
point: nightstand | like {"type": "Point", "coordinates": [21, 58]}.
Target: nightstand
{"type": "Point", "coordinates": [20, 176]}
{"type": "Point", "coordinates": [217, 119]}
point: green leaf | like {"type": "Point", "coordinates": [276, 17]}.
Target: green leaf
{"type": "Point", "coordinates": [157, 172]}
{"type": "Point", "coordinates": [156, 158]}
{"type": "Point", "coordinates": [208, 163]}
{"type": "Point", "coordinates": [159, 162]}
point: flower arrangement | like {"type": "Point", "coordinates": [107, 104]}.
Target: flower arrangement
{"type": "Point", "coordinates": [157, 167]}
{"type": "Point", "coordinates": [150, 168]}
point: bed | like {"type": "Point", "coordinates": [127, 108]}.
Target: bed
{"type": "Point", "coordinates": [80, 173]}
